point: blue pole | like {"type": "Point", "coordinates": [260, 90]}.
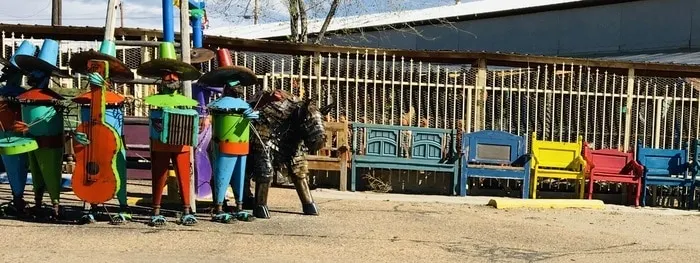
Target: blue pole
{"type": "Point", "coordinates": [168, 30]}
{"type": "Point", "coordinates": [196, 31]}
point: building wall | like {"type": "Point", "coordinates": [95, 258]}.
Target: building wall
{"type": "Point", "coordinates": [653, 25]}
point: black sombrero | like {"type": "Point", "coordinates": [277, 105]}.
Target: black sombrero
{"type": "Point", "coordinates": [223, 75]}
{"type": "Point", "coordinates": [201, 55]}
{"type": "Point", "coordinates": [168, 64]}
{"type": "Point", "coordinates": [118, 71]}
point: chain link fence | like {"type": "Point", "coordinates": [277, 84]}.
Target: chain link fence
{"type": "Point", "coordinates": [557, 102]}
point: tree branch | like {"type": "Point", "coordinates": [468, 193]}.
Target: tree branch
{"type": "Point", "coordinates": [327, 22]}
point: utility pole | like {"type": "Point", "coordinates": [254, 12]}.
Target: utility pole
{"type": "Point", "coordinates": [121, 13]}
{"type": "Point", "coordinates": [255, 12]}
{"type": "Point", "coordinates": [56, 13]}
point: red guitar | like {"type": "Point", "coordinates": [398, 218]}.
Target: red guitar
{"type": "Point", "coordinates": [95, 178]}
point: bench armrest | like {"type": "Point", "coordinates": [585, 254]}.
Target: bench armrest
{"type": "Point", "coordinates": [637, 168]}
{"type": "Point", "coordinates": [581, 162]}
{"type": "Point", "coordinates": [535, 162]}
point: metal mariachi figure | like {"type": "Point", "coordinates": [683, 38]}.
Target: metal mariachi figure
{"type": "Point", "coordinates": [288, 128]}
{"type": "Point", "coordinates": [113, 115]}
{"type": "Point", "coordinates": [231, 128]}
{"type": "Point", "coordinates": [173, 128]}
{"type": "Point", "coordinates": [13, 146]}
{"type": "Point", "coordinates": [42, 120]}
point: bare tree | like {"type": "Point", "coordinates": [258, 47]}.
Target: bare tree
{"type": "Point", "coordinates": [299, 13]}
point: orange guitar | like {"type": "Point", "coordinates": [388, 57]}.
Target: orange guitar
{"type": "Point", "coordinates": [95, 178]}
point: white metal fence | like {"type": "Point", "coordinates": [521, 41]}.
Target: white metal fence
{"type": "Point", "coordinates": [559, 102]}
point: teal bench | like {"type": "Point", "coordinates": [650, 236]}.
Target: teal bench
{"type": "Point", "coordinates": [404, 148]}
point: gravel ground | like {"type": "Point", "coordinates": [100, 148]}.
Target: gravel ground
{"type": "Point", "coordinates": [366, 227]}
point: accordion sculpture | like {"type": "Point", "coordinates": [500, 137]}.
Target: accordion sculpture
{"type": "Point", "coordinates": [175, 126]}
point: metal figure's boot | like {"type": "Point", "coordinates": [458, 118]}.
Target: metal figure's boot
{"type": "Point", "coordinates": [89, 217]}
{"type": "Point", "coordinates": [307, 202]}
{"type": "Point", "coordinates": [123, 216]}
{"type": "Point", "coordinates": [261, 191]}
{"type": "Point", "coordinates": [220, 215]}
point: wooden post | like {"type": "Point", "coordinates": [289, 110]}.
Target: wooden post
{"type": "Point", "coordinates": [480, 105]}
{"type": "Point", "coordinates": [187, 85]}
{"type": "Point", "coordinates": [628, 109]}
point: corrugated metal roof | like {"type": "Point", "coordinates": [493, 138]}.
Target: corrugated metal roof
{"type": "Point", "coordinates": [471, 8]}
{"type": "Point", "coordinates": [688, 58]}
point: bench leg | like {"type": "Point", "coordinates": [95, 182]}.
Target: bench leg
{"type": "Point", "coordinates": [582, 188]}
{"type": "Point", "coordinates": [644, 194]}
{"type": "Point", "coordinates": [353, 178]}
{"type": "Point", "coordinates": [590, 188]}
{"type": "Point", "coordinates": [533, 188]}
{"type": "Point", "coordinates": [637, 193]}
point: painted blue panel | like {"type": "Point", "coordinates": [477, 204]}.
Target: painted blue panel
{"type": "Point", "coordinates": [437, 38]}
{"type": "Point", "coordinates": [529, 33]}
{"type": "Point", "coordinates": [382, 142]}
{"type": "Point", "coordinates": [655, 24]}
{"type": "Point", "coordinates": [579, 33]}
{"type": "Point", "coordinates": [472, 141]}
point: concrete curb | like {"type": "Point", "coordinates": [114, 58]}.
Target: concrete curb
{"type": "Point", "coordinates": [501, 203]}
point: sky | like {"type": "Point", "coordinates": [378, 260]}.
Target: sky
{"type": "Point", "coordinates": [221, 13]}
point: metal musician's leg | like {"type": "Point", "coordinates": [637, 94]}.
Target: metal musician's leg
{"type": "Point", "coordinates": [298, 170]}
{"type": "Point", "coordinates": [182, 168]}
{"type": "Point", "coordinates": [223, 169]}
{"type": "Point", "coordinates": [124, 214]}
{"type": "Point", "coordinates": [237, 183]}
{"type": "Point", "coordinates": [16, 167]}
{"type": "Point", "coordinates": [159, 172]}
{"type": "Point", "coordinates": [37, 179]}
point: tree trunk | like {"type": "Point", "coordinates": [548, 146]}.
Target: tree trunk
{"type": "Point", "coordinates": [303, 35]}
{"type": "Point", "coordinates": [294, 20]}
{"type": "Point", "coordinates": [327, 22]}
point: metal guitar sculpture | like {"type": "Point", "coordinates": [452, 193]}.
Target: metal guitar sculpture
{"type": "Point", "coordinates": [42, 120]}
{"type": "Point", "coordinates": [113, 108]}
{"type": "Point", "coordinates": [13, 146]}
{"type": "Point", "coordinates": [96, 178]}
{"type": "Point", "coordinates": [231, 127]}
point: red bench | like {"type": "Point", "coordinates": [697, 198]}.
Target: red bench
{"type": "Point", "coordinates": [611, 165]}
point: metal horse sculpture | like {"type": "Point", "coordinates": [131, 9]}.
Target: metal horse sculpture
{"type": "Point", "coordinates": [42, 120]}
{"type": "Point", "coordinates": [173, 128]}
{"type": "Point", "coordinates": [288, 128]}
{"type": "Point", "coordinates": [13, 146]}
{"type": "Point", "coordinates": [231, 127]}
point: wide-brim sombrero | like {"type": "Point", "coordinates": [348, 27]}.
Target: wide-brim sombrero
{"type": "Point", "coordinates": [118, 71]}
{"type": "Point", "coordinates": [32, 63]}
{"type": "Point", "coordinates": [158, 68]}
{"type": "Point", "coordinates": [201, 55]}
{"type": "Point", "coordinates": [170, 100]}
{"type": "Point", "coordinates": [224, 75]}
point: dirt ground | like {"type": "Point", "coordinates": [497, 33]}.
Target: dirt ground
{"type": "Point", "coordinates": [368, 227]}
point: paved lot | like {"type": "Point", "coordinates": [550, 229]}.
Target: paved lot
{"type": "Point", "coordinates": [366, 227]}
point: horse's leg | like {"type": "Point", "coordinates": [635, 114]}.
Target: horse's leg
{"type": "Point", "coordinates": [261, 166]}
{"type": "Point", "coordinates": [299, 171]}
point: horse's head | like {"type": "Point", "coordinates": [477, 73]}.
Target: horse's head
{"type": "Point", "coordinates": [311, 124]}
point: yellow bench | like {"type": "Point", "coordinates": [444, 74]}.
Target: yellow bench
{"type": "Point", "coordinates": [561, 160]}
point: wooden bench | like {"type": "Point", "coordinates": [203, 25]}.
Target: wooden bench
{"type": "Point", "coordinates": [495, 154]}
{"type": "Point", "coordinates": [560, 160]}
{"type": "Point", "coordinates": [667, 167]}
{"type": "Point", "coordinates": [334, 155]}
{"type": "Point", "coordinates": [403, 148]}
{"type": "Point", "coordinates": [612, 165]}
{"type": "Point", "coordinates": [138, 153]}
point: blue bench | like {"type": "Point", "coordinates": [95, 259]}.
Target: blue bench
{"type": "Point", "coordinates": [667, 167]}
{"type": "Point", "coordinates": [495, 154]}
{"type": "Point", "coordinates": [404, 148]}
